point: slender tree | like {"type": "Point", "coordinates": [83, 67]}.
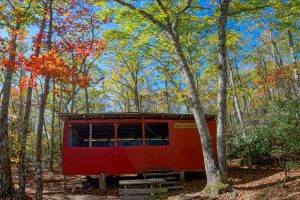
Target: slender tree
{"type": "Point", "coordinates": [6, 179]}
{"type": "Point", "coordinates": [25, 121]}
{"type": "Point", "coordinates": [41, 119]}
{"type": "Point", "coordinates": [222, 88]}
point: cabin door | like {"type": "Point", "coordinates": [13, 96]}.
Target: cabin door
{"type": "Point", "coordinates": [157, 145]}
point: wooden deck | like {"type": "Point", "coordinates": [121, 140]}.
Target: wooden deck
{"type": "Point", "coordinates": [142, 188]}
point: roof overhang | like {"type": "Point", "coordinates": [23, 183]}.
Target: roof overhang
{"type": "Point", "coordinates": [131, 115]}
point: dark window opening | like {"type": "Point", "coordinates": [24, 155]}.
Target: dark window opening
{"type": "Point", "coordinates": [156, 133]}
{"type": "Point", "coordinates": [91, 135]}
{"type": "Point", "coordinates": [130, 134]}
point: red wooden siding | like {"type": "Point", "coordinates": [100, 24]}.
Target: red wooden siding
{"type": "Point", "coordinates": [182, 153]}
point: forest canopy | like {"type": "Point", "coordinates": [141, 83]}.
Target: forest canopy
{"type": "Point", "coordinates": [236, 59]}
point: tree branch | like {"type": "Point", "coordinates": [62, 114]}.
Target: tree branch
{"type": "Point", "coordinates": [168, 20]}
{"type": "Point", "coordinates": [143, 13]}
{"type": "Point", "coordinates": [12, 6]}
{"type": "Point", "coordinates": [188, 5]}
{"type": "Point", "coordinates": [162, 7]}
{"type": "Point", "coordinates": [175, 22]}
{"type": "Point", "coordinates": [249, 9]}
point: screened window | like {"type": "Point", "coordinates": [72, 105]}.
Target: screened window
{"type": "Point", "coordinates": [156, 134]}
{"type": "Point", "coordinates": [91, 135]}
{"type": "Point", "coordinates": [130, 134]}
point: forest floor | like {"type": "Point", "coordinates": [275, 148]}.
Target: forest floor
{"type": "Point", "coordinates": [262, 184]}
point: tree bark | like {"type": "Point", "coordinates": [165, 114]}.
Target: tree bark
{"type": "Point", "coordinates": [240, 116]}
{"type": "Point", "coordinates": [87, 103]}
{"type": "Point", "coordinates": [6, 179]}
{"type": "Point", "coordinates": [73, 94]}
{"type": "Point", "coordinates": [222, 90]}
{"type": "Point", "coordinates": [52, 129]}
{"type": "Point", "coordinates": [276, 55]}
{"type": "Point", "coordinates": [21, 107]}
{"type": "Point", "coordinates": [25, 121]}
{"type": "Point", "coordinates": [41, 119]}
{"type": "Point", "coordinates": [167, 97]}
{"type": "Point", "coordinates": [265, 74]}
{"type": "Point", "coordinates": [197, 109]}
{"type": "Point", "coordinates": [246, 109]}
{"type": "Point", "coordinates": [295, 69]}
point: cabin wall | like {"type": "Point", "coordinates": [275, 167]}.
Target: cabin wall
{"type": "Point", "coordinates": [185, 146]}
{"type": "Point", "coordinates": [180, 151]}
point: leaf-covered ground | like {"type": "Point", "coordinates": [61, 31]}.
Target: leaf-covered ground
{"type": "Point", "coordinates": [247, 184]}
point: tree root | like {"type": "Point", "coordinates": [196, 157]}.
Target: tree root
{"type": "Point", "coordinates": [217, 188]}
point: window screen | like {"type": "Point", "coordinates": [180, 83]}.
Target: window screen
{"type": "Point", "coordinates": [102, 135]}
{"type": "Point", "coordinates": [156, 133]}
{"type": "Point", "coordinates": [130, 134]}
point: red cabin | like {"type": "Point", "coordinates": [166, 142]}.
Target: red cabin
{"type": "Point", "coordinates": [130, 143]}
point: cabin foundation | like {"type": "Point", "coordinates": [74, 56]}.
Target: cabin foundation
{"type": "Point", "coordinates": [102, 184]}
{"type": "Point", "coordinates": [181, 176]}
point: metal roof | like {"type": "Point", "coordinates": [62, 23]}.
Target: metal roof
{"type": "Point", "coordinates": [130, 115]}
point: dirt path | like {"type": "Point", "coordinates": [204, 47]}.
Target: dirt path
{"type": "Point", "coordinates": [260, 184]}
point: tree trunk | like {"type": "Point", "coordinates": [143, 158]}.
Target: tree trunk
{"type": "Point", "coordinates": [86, 92]}
{"type": "Point", "coordinates": [52, 128]}
{"type": "Point", "coordinates": [21, 106]}
{"type": "Point", "coordinates": [246, 109]}
{"type": "Point", "coordinates": [240, 116]}
{"type": "Point", "coordinates": [222, 90]}
{"type": "Point", "coordinates": [296, 73]}
{"type": "Point", "coordinates": [73, 95]}
{"type": "Point", "coordinates": [25, 121]}
{"type": "Point", "coordinates": [87, 103]}
{"type": "Point", "coordinates": [276, 55]}
{"type": "Point", "coordinates": [167, 97]}
{"type": "Point", "coordinates": [43, 101]}
{"type": "Point", "coordinates": [60, 129]}
{"type": "Point", "coordinates": [265, 74]}
{"type": "Point", "coordinates": [5, 174]}
{"type": "Point", "coordinates": [136, 97]}
{"type": "Point", "coordinates": [209, 162]}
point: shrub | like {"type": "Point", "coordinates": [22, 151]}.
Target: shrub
{"type": "Point", "coordinates": [274, 139]}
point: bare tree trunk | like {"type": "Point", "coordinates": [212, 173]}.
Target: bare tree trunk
{"type": "Point", "coordinates": [296, 73]}
{"type": "Point", "coordinates": [73, 95]}
{"type": "Point", "coordinates": [6, 179]}
{"type": "Point", "coordinates": [59, 121]}
{"type": "Point", "coordinates": [210, 165]}
{"type": "Point", "coordinates": [240, 116]}
{"type": "Point", "coordinates": [52, 128]}
{"type": "Point", "coordinates": [25, 121]}
{"type": "Point", "coordinates": [276, 55]}
{"type": "Point", "coordinates": [41, 119]}
{"type": "Point", "coordinates": [87, 103]}
{"type": "Point", "coordinates": [240, 83]}
{"type": "Point", "coordinates": [21, 107]}
{"type": "Point", "coordinates": [167, 97]}
{"type": "Point", "coordinates": [136, 97]}
{"type": "Point", "coordinates": [222, 90]}
{"type": "Point", "coordinates": [265, 74]}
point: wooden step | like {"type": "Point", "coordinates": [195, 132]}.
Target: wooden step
{"type": "Point", "coordinates": [161, 173]}
{"type": "Point", "coordinates": [165, 178]}
{"type": "Point", "coordinates": [137, 197]}
{"type": "Point", "coordinates": [170, 183]}
{"type": "Point", "coordinates": [170, 178]}
{"type": "Point", "coordinates": [142, 191]}
{"type": "Point", "coordinates": [176, 187]}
